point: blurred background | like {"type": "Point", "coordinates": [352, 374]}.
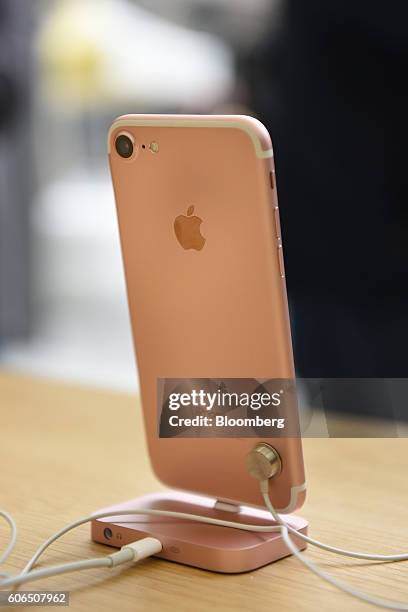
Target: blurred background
{"type": "Point", "coordinates": [329, 81]}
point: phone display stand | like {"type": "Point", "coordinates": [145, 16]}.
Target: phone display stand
{"type": "Point", "coordinates": [210, 547]}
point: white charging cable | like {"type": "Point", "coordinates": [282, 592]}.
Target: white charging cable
{"type": "Point", "coordinates": [134, 551]}
{"type": "Point", "coordinates": [388, 604]}
{"type": "Point", "coordinates": [13, 539]}
{"type": "Point", "coordinates": [139, 550]}
{"type": "Point", "coordinates": [150, 546]}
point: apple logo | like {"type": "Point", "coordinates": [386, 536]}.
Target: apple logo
{"type": "Point", "coordinates": [187, 230]}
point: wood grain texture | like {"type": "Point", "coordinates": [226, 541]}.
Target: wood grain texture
{"type": "Point", "coordinates": [66, 451]}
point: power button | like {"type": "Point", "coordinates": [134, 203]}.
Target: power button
{"type": "Point", "coordinates": [280, 259]}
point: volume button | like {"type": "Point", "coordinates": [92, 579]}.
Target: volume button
{"type": "Point", "coordinates": [280, 259]}
{"type": "Point", "coordinates": [277, 223]}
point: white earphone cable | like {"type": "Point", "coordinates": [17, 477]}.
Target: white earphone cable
{"type": "Point", "coordinates": [28, 574]}
{"type": "Point", "coordinates": [332, 549]}
{"type": "Point", "coordinates": [388, 604]}
{"type": "Point", "coordinates": [13, 537]}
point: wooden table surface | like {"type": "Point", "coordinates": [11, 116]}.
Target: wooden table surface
{"type": "Point", "coordinates": [67, 451]}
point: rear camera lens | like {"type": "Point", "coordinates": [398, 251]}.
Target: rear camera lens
{"type": "Point", "coordinates": [124, 146]}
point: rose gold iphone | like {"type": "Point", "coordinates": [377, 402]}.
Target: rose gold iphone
{"type": "Point", "coordinates": [200, 235]}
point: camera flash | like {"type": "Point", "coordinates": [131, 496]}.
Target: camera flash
{"type": "Point", "coordinates": [154, 147]}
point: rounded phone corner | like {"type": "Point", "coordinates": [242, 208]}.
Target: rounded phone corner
{"type": "Point", "coordinates": [116, 123]}
{"type": "Point", "coordinates": [254, 128]}
{"type": "Point", "coordinates": [258, 133]}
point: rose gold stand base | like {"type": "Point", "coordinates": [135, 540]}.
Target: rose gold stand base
{"type": "Point", "coordinates": [219, 549]}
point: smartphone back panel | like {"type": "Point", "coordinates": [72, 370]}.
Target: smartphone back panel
{"type": "Point", "coordinates": [204, 280]}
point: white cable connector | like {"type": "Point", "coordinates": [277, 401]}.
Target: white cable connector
{"type": "Point", "coordinates": [136, 551]}
{"type": "Point", "coordinates": [141, 549]}
{"type": "Point", "coordinates": [149, 546]}
{"type": "Point", "coordinates": [150, 512]}
{"type": "Point", "coordinates": [131, 552]}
